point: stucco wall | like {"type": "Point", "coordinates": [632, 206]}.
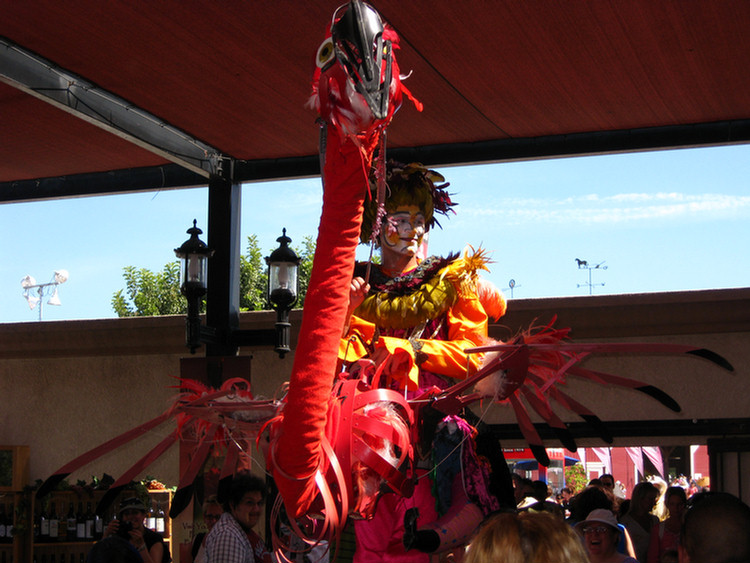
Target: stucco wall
{"type": "Point", "coordinates": [66, 387]}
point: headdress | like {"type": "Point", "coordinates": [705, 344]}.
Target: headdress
{"type": "Point", "coordinates": [407, 184]}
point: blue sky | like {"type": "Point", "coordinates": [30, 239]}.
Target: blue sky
{"type": "Point", "coordinates": [659, 221]}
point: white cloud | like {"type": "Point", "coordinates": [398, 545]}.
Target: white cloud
{"type": "Point", "coordinates": [618, 208]}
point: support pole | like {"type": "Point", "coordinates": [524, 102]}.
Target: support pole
{"type": "Point", "coordinates": [223, 301]}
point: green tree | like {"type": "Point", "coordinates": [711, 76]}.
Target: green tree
{"type": "Point", "coordinates": [150, 293]}
{"type": "Point", "coordinates": [305, 254]}
{"type": "Point", "coordinates": [253, 278]}
{"type": "Point", "coordinates": [147, 293]}
{"type": "Point", "coordinates": [575, 478]}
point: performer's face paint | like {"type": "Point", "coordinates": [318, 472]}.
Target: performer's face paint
{"type": "Point", "coordinates": [403, 231]}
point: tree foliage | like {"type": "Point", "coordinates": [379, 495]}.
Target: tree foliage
{"type": "Point", "coordinates": [147, 293]}
{"type": "Point", "coordinates": [575, 478]}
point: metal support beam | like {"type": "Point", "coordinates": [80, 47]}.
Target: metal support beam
{"type": "Point", "coordinates": [74, 94]}
{"type": "Point", "coordinates": [223, 300]}
{"type": "Point", "coordinates": [632, 429]}
{"type": "Point", "coordinates": [501, 150]}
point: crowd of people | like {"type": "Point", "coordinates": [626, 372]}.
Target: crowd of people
{"type": "Point", "coordinates": [657, 523]}
{"type": "Point", "coordinates": [592, 526]}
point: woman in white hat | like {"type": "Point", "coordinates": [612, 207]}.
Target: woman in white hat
{"type": "Point", "coordinates": [600, 537]}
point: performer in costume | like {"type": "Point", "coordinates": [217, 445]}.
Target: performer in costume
{"type": "Point", "coordinates": [415, 318]}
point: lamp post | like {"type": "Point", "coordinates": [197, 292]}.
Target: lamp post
{"type": "Point", "coordinates": [283, 288]}
{"type": "Point", "coordinates": [193, 255]}
{"type": "Point", "coordinates": [29, 283]}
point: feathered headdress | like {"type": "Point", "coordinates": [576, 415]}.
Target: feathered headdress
{"type": "Point", "coordinates": [407, 184]}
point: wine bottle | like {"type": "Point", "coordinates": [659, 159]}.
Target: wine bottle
{"type": "Point", "coordinates": [80, 524]}
{"type": "Point", "coordinates": [151, 518]}
{"type": "Point", "coordinates": [9, 526]}
{"type": "Point", "coordinates": [54, 524]}
{"type": "Point", "coordinates": [62, 525]}
{"type": "Point", "coordinates": [43, 526]}
{"type": "Point", "coordinates": [70, 532]}
{"type": "Point", "coordinates": [89, 522]}
{"type": "Point", "coordinates": [160, 519]}
{"type": "Point", "coordinates": [3, 528]}
{"type": "Point", "coordinates": [98, 527]}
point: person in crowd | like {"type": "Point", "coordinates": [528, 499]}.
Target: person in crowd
{"type": "Point", "coordinates": [541, 490]}
{"type": "Point", "coordinates": [660, 510]}
{"type": "Point", "coordinates": [592, 498]}
{"type": "Point", "coordinates": [601, 534]}
{"type": "Point", "coordinates": [528, 537]}
{"type": "Point", "coordinates": [232, 539]}
{"type": "Point", "coordinates": [639, 518]}
{"type": "Point", "coordinates": [150, 545]}
{"type": "Point", "coordinates": [212, 511]}
{"type": "Point", "coordinates": [563, 498]}
{"type": "Point", "coordinates": [608, 481]}
{"type": "Point", "coordinates": [665, 536]}
{"type": "Point", "coordinates": [540, 501]}
{"type": "Point", "coordinates": [522, 488]}
{"type": "Point", "coordinates": [716, 530]}
{"type": "Point", "coordinates": [546, 506]}
{"type": "Point", "coordinates": [693, 488]}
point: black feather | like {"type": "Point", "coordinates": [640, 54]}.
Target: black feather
{"type": "Point", "coordinates": [660, 396]}
{"type": "Point", "coordinates": [712, 357]}
{"type": "Point", "coordinates": [50, 484]}
{"type": "Point", "coordinates": [108, 498]}
{"type": "Point", "coordinates": [565, 438]}
{"type": "Point", "coordinates": [181, 500]}
{"type": "Point", "coordinates": [540, 454]}
{"type": "Point", "coordinates": [599, 427]}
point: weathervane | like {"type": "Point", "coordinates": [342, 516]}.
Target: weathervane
{"type": "Point", "coordinates": [511, 285]}
{"type": "Point", "coordinates": [584, 265]}
{"type": "Point", "coordinates": [28, 283]}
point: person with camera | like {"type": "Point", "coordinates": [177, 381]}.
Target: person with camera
{"type": "Point", "coordinates": [129, 526]}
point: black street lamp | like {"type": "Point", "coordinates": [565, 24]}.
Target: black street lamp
{"type": "Point", "coordinates": [283, 288]}
{"type": "Point", "coordinates": [193, 255]}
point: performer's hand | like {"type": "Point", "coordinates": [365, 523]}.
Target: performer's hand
{"type": "Point", "coordinates": [396, 365]}
{"type": "Point", "coordinates": [357, 292]}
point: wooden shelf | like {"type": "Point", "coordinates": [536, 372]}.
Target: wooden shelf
{"type": "Point", "coordinates": [65, 551]}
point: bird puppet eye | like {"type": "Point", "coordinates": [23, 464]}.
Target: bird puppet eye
{"type": "Point", "coordinates": [325, 53]}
